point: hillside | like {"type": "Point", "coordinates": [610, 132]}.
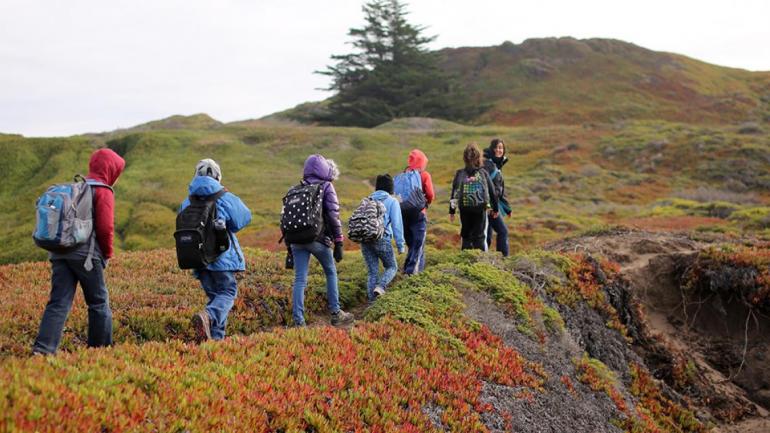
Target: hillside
{"type": "Point", "coordinates": [571, 81]}
{"type": "Point", "coordinates": [542, 341]}
{"type": "Point", "coordinates": [561, 180]}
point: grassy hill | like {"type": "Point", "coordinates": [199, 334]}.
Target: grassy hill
{"type": "Point", "coordinates": [571, 81]}
{"type": "Point", "coordinates": [561, 179]}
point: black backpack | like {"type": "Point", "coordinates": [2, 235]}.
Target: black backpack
{"type": "Point", "coordinates": [302, 214]}
{"type": "Point", "coordinates": [199, 241]}
{"type": "Point", "coordinates": [367, 224]}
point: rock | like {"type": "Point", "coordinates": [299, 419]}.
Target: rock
{"type": "Point", "coordinates": [657, 145]}
{"type": "Point", "coordinates": [749, 128]}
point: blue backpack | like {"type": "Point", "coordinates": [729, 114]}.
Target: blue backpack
{"type": "Point", "coordinates": [65, 217]}
{"type": "Point", "coordinates": [407, 187]}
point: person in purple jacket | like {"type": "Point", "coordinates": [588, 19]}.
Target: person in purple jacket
{"type": "Point", "coordinates": [324, 171]}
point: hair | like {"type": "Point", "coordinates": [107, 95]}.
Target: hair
{"type": "Point", "coordinates": [472, 156]}
{"type": "Point", "coordinates": [334, 169]}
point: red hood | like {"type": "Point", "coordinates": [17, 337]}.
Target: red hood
{"type": "Point", "coordinates": [105, 166]}
{"type": "Point", "coordinates": [417, 160]}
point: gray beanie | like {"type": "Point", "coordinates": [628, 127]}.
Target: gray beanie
{"type": "Point", "coordinates": [208, 167]}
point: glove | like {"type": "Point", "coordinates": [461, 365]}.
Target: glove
{"type": "Point", "coordinates": [338, 251]}
{"type": "Point", "coordinates": [289, 264]}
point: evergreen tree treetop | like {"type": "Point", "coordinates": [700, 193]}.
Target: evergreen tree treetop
{"type": "Point", "coordinates": [390, 74]}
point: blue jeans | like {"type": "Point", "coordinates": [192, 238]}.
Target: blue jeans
{"type": "Point", "coordinates": [498, 225]}
{"type": "Point", "coordinates": [302, 254]}
{"type": "Point", "coordinates": [414, 235]}
{"type": "Point", "coordinates": [221, 288]}
{"type": "Point", "coordinates": [65, 275]}
{"type": "Point", "coordinates": [374, 252]}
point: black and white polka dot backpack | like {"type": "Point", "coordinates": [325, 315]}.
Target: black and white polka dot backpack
{"type": "Point", "coordinates": [302, 214]}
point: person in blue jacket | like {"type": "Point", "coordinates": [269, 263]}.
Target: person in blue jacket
{"type": "Point", "coordinates": [382, 249]}
{"type": "Point", "coordinates": [218, 278]}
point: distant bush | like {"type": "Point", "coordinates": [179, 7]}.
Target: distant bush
{"type": "Point", "coordinates": [704, 194]}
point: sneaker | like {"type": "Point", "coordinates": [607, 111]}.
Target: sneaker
{"type": "Point", "coordinates": [202, 325]}
{"type": "Point", "coordinates": [341, 318]}
{"type": "Point", "coordinates": [378, 291]}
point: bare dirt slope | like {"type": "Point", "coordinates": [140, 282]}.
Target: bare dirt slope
{"type": "Point", "coordinates": [703, 347]}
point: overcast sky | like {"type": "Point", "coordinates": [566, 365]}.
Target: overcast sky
{"type": "Point", "coordinates": [75, 66]}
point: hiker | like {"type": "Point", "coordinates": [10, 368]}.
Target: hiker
{"type": "Point", "coordinates": [414, 188]}
{"type": "Point", "coordinates": [381, 249]}
{"type": "Point", "coordinates": [218, 277]}
{"type": "Point", "coordinates": [85, 264]}
{"type": "Point", "coordinates": [494, 160]}
{"type": "Point", "coordinates": [313, 204]}
{"type": "Point", "coordinates": [473, 193]}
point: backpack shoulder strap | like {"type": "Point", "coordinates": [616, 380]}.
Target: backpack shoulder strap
{"type": "Point", "coordinates": [99, 184]}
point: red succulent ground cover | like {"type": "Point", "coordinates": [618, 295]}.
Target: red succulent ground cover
{"type": "Point", "coordinates": [378, 378]}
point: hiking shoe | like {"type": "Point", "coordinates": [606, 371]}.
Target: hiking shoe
{"type": "Point", "coordinates": [202, 325]}
{"type": "Point", "coordinates": [378, 291]}
{"type": "Point", "coordinates": [341, 318]}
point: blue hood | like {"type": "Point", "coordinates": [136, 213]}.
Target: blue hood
{"type": "Point", "coordinates": [204, 185]}
{"type": "Point", "coordinates": [380, 195]}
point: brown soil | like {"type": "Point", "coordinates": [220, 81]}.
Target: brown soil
{"type": "Point", "coordinates": [694, 343]}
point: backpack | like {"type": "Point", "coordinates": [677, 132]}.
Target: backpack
{"type": "Point", "coordinates": [474, 192]}
{"type": "Point", "coordinates": [302, 214]}
{"type": "Point", "coordinates": [65, 216]}
{"type": "Point", "coordinates": [367, 224]}
{"type": "Point", "coordinates": [200, 236]}
{"type": "Point", "coordinates": [407, 186]}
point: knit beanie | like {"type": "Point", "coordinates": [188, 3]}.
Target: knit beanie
{"type": "Point", "coordinates": [384, 183]}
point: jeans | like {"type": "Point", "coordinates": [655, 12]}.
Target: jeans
{"type": "Point", "coordinates": [473, 229]}
{"type": "Point", "coordinates": [414, 235]}
{"type": "Point", "coordinates": [498, 225]}
{"type": "Point", "coordinates": [221, 288]}
{"type": "Point", "coordinates": [65, 275]}
{"type": "Point", "coordinates": [302, 254]}
{"type": "Point", "coordinates": [374, 252]}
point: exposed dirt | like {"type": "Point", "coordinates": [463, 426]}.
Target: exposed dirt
{"type": "Point", "coordinates": [694, 342]}
{"type": "Point", "coordinates": [556, 409]}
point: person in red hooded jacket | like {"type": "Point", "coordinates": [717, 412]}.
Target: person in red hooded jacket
{"type": "Point", "coordinates": [415, 226]}
{"type": "Point", "coordinates": [69, 269]}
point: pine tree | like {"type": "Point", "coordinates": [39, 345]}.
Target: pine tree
{"type": "Point", "coordinates": [392, 74]}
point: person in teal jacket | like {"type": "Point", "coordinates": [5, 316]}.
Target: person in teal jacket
{"type": "Point", "coordinates": [382, 249]}
{"type": "Point", "coordinates": [218, 278]}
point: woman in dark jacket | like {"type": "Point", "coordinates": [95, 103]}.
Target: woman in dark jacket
{"type": "Point", "coordinates": [319, 170]}
{"type": "Point", "coordinates": [494, 160]}
{"type": "Point", "coordinates": [473, 193]}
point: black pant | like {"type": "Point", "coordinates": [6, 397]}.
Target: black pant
{"type": "Point", "coordinates": [473, 229]}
